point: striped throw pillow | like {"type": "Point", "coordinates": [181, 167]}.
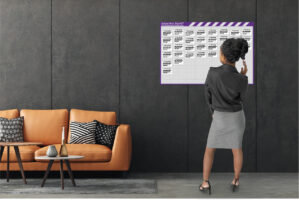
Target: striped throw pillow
{"type": "Point", "coordinates": [82, 133]}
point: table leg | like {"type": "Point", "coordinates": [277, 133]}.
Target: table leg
{"type": "Point", "coordinates": [7, 168]}
{"type": "Point", "coordinates": [70, 172]}
{"type": "Point", "coordinates": [61, 174]}
{"type": "Point", "coordinates": [17, 151]}
{"type": "Point", "coordinates": [47, 172]}
{"type": "Point", "coordinates": [1, 153]}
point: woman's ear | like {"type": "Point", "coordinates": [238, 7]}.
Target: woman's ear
{"type": "Point", "coordinates": [221, 57]}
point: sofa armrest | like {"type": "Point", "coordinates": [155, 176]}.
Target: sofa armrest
{"type": "Point", "coordinates": [122, 148]}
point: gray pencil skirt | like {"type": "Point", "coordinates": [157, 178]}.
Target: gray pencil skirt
{"type": "Point", "coordinates": [227, 129]}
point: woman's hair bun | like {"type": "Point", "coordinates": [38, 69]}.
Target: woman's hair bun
{"type": "Point", "coordinates": [244, 47]}
{"type": "Point", "coordinates": [234, 48]}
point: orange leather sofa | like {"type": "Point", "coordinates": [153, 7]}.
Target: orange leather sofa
{"type": "Point", "coordinates": [45, 126]}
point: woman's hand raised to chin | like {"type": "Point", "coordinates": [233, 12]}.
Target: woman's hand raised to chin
{"type": "Point", "coordinates": [244, 69]}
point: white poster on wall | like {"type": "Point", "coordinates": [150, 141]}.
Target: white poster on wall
{"type": "Point", "coordinates": [189, 49]}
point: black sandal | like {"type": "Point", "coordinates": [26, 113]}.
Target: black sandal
{"type": "Point", "coordinates": [206, 188]}
{"type": "Point", "coordinates": [234, 185]}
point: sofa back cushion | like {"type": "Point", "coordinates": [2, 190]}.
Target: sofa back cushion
{"type": "Point", "coordinates": [44, 126]}
{"type": "Point", "coordinates": [77, 115]}
{"type": "Point", "coordinates": [10, 114]}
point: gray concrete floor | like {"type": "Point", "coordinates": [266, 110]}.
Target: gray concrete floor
{"type": "Point", "coordinates": [185, 185]}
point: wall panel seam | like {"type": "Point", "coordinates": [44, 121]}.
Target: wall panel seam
{"type": "Point", "coordinates": [256, 87]}
{"type": "Point", "coordinates": [51, 54]}
{"type": "Point", "coordinates": [188, 120]}
{"type": "Point", "coordinates": [119, 61]}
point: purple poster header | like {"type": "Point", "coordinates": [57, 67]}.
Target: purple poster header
{"type": "Point", "coordinates": [207, 24]}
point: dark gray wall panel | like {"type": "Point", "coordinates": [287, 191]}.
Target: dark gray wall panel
{"type": "Point", "coordinates": [277, 98]}
{"type": "Point", "coordinates": [25, 54]}
{"type": "Point", "coordinates": [157, 113]}
{"type": "Point", "coordinates": [85, 54]}
{"type": "Point", "coordinates": [200, 118]}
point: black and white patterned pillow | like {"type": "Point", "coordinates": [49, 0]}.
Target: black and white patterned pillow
{"type": "Point", "coordinates": [11, 130]}
{"type": "Point", "coordinates": [105, 134]}
{"type": "Point", "coordinates": [82, 133]}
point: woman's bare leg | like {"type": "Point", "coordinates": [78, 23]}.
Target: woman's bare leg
{"type": "Point", "coordinates": [207, 164]}
{"type": "Point", "coordinates": [238, 161]}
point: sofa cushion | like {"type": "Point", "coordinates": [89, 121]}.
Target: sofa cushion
{"type": "Point", "coordinates": [11, 130]}
{"type": "Point", "coordinates": [91, 152]}
{"type": "Point", "coordinates": [105, 134]}
{"type": "Point", "coordinates": [83, 133]}
{"type": "Point", "coordinates": [108, 118]}
{"type": "Point", "coordinates": [44, 126]}
{"type": "Point", "coordinates": [9, 114]}
{"type": "Point", "coordinates": [26, 152]}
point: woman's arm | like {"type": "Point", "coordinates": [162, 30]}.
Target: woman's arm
{"type": "Point", "coordinates": [244, 81]}
{"type": "Point", "coordinates": [208, 94]}
{"type": "Point", "coordinates": [243, 88]}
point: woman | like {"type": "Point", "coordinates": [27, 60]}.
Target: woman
{"type": "Point", "coordinates": [225, 90]}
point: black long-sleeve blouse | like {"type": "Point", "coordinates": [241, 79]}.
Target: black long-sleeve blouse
{"type": "Point", "coordinates": [225, 88]}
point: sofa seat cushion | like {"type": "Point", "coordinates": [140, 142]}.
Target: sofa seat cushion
{"type": "Point", "coordinates": [27, 154]}
{"type": "Point", "coordinates": [91, 152]}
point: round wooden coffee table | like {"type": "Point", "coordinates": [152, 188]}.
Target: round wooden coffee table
{"type": "Point", "coordinates": [61, 160]}
{"type": "Point", "coordinates": [17, 151]}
